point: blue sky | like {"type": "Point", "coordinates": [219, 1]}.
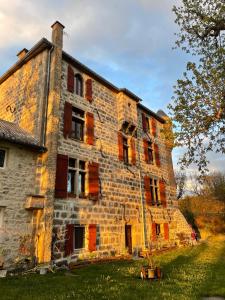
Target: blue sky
{"type": "Point", "coordinates": [129, 42]}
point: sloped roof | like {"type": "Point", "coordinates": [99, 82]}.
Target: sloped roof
{"type": "Point", "coordinates": [11, 132]}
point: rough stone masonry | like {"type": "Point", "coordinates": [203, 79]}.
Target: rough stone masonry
{"type": "Point", "coordinates": [100, 180]}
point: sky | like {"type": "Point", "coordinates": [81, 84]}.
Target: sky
{"type": "Point", "coordinates": [128, 42]}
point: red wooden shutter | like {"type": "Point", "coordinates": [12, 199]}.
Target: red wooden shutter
{"type": "Point", "coordinates": [120, 146]}
{"type": "Point", "coordinates": [153, 231]}
{"type": "Point", "coordinates": [144, 125]}
{"type": "Point", "coordinates": [92, 237]}
{"type": "Point", "coordinates": [157, 159]}
{"type": "Point", "coordinates": [90, 128]}
{"type": "Point", "coordinates": [166, 231]}
{"type": "Point", "coordinates": [93, 181]}
{"type": "Point", "coordinates": [145, 146]}
{"type": "Point", "coordinates": [133, 151]}
{"type": "Point", "coordinates": [61, 176]}
{"type": "Point", "coordinates": [148, 196]}
{"type": "Point", "coordinates": [154, 126]}
{"type": "Point", "coordinates": [69, 239]}
{"type": "Point", "coordinates": [162, 190]}
{"type": "Point", "coordinates": [70, 79]}
{"type": "Point", "coordinates": [88, 94]}
{"type": "Point", "coordinates": [67, 119]}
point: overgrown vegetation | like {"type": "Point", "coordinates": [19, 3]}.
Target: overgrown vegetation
{"type": "Point", "coordinates": [189, 273]}
{"type": "Point", "coordinates": [205, 210]}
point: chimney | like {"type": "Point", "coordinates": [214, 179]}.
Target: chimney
{"type": "Point", "coordinates": [57, 34]}
{"type": "Point", "coordinates": [22, 53]}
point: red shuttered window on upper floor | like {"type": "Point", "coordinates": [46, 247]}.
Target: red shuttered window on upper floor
{"type": "Point", "coordinates": [89, 91]}
{"type": "Point", "coordinates": [70, 79]}
{"type": "Point", "coordinates": [93, 181]}
{"type": "Point", "coordinates": [61, 176]}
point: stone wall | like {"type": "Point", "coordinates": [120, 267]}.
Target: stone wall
{"type": "Point", "coordinates": [22, 95]}
{"type": "Point", "coordinates": [121, 196]}
{"type": "Point", "coordinates": [16, 184]}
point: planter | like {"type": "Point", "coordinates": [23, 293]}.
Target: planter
{"type": "Point", "coordinates": [148, 272]}
{"type": "Point", "coordinates": [3, 273]}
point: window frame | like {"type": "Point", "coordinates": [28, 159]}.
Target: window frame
{"type": "Point", "coordinates": [125, 150]}
{"type": "Point", "coordinates": [157, 229]}
{"type": "Point", "coordinates": [150, 150]}
{"type": "Point", "coordinates": [79, 89]}
{"type": "Point", "coordinates": [154, 190]}
{"type": "Point", "coordinates": [74, 237]}
{"type": "Point", "coordinates": [78, 120]}
{"type": "Point", "coordinates": [5, 158]}
{"type": "Point", "coordinates": [77, 171]}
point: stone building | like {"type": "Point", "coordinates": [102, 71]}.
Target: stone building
{"type": "Point", "coordinates": [81, 161]}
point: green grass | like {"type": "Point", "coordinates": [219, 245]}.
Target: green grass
{"type": "Point", "coordinates": [189, 273]}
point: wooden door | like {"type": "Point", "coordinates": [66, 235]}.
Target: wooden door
{"type": "Point", "coordinates": [128, 238]}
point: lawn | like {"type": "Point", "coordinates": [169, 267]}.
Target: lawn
{"type": "Point", "coordinates": [189, 273]}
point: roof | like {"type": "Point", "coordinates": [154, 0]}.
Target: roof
{"type": "Point", "coordinates": [45, 44]}
{"type": "Point", "coordinates": [11, 132]}
{"type": "Point", "coordinates": [150, 112]}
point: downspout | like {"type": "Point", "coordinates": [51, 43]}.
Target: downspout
{"type": "Point", "coordinates": [43, 135]}
{"type": "Point", "coordinates": [141, 194]}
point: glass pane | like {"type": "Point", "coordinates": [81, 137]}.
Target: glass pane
{"type": "Point", "coordinates": [2, 158]}
{"type": "Point", "coordinates": [81, 165]}
{"type": "Point", "coordinates": [77, 112]}
{"type": "Point", "coordinates": [152, 194]}
{"type": "Point", "coordinates": [150, 181]}
{"type": "Point", "coordinates": [79, 237]}
{"type": "Point", "coordinates": [81, 184]}
{"type": "Point", "coordinates": [155, 181]}
{"type": "Point", "coordinates": [71, 182]}
{"type": "Point", "coordinates": [72, 162]}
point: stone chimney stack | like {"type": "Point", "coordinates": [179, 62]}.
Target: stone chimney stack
{"type": "Point", "coordinates": [22, 53]}
{"type": "Point", "coordinates": [57, 34]}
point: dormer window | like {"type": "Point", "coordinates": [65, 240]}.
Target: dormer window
{"type": "Point", "coordinates": [79, 85]}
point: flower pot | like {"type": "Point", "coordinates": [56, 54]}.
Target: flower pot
{"type": "Point", "coordinates": [43, 271]}
{"type": "Point", "coordinates": [3, 273]}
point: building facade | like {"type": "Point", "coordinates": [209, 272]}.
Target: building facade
{"type": "Point", "coordinates": [100, 179]}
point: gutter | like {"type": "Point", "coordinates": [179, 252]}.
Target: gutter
{"type": "Point", "coordinates": [44, 124]}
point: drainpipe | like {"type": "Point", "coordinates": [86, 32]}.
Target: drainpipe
{"type": "Point", "coordinates": [141, 193]}
{"type": "Point", "coordinates": [45, 111]}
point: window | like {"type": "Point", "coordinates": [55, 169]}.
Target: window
{"type": "Point", "coordinates": [79, 85]}
{"type": "Point", "coordinates": [154, 191]}
{"type": "Point", "coordinates": [150, 153]}
{"type": "Point", "coordinates": [125, 151]}
{"type": "Point", "coordinates": [76, 177]}
{"type": "Point", "coordinates": [147, 124]}
{"type": "Point", "coordinates": [2, 158]}
{"type": "Point", "coordinates": [77, 131]}
{"type": "Point", "coordinates": [79, 235]}
{"type": "Point", "coordinates": [157, 229]}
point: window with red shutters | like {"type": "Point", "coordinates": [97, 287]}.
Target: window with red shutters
{"type": "Point", "coordinates": [70, 79]}
{"type": "Point", "coordinates": [157, 157]}
{"type": "Point", "coordinates": [61, 176]}
{"type": "Point", "coordinates": [154, 232]}
{"type": "Point", "coordinates": [92, 237]}
{"type": "Point", "coordinates": [120, 146]}
{"type": "Point", "coordinates": [67, 119]}
{"type": "Point", "coordinates": [133, 151]}
{"type": "Point", "coordinates": [145, 146]}
{"type": "Point", "coordinates": [148, 197]}
{"type": "Point", "coordinates": [93, 181]}
{"type": "Point", "coordinates": [166, 231]}
{"type": "Point", "coordinates": [90, 128]}
{"type": "Point", "coordinates": [162, 190]}
{"type": "Point", "coordinates": [69, 243]}
{"type": "Point", "coordinates": [154, 126]}
{"type": "Point", "coordinates": [88, 94]}
{"type": "Point", "coordinates": [144, 125]}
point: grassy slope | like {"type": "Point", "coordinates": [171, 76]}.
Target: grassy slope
{"type": "Point", "coordinates": [189, 274]}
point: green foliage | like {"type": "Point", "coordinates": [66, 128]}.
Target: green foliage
{"type": "Point", "coordinates": [189, 273]}
{"type": "Point", "coordinates": [198, 106]}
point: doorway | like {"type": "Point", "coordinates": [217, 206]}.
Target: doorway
{"type": "Point", "coordinates": [128, 238]}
